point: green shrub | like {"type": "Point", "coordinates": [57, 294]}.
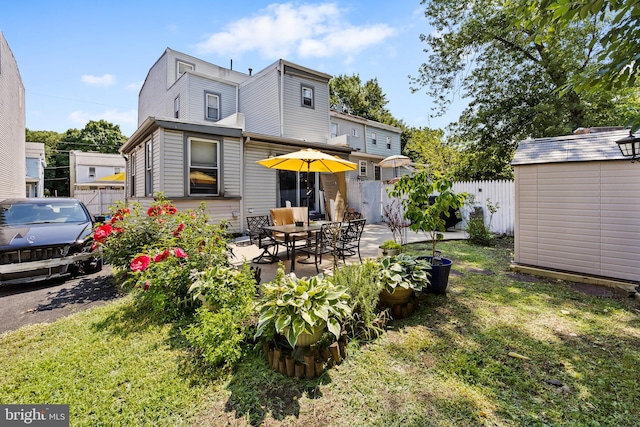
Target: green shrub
{"type": "Point", "coordinates": [360, 280]}
{"type": "Point", "coordinates": [479, 234]}
{"type": "Point", "coordinates": [154, 252]}
{"type": "Point", "coordinates": [403, 271]}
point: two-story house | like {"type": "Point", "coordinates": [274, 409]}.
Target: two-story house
{"type": "Point", "coordinates": [35, 164]}
{"type": "Point", "coordinates": [371, 141]}
{"type": "Point", "coordinates": [203, 127]}
{"type": "Point", "coordinates": [12, 126]}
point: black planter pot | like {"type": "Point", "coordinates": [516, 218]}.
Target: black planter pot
{"type": "Point", "coordinates": [439, 274]}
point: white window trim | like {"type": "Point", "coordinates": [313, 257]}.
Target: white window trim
{"type": "Point", "coordinates": [148, 158]}
{"type": "Point", "coordinates": [192, 67]}
{"type": "Point", "coordinates": [362, 163]}
{"type": "Point", "coordinates": [354, 132]}
{"type": "Point", "coordinates": [176, 107]}
{"type": "Point", "coordinates": [302, 97]}
{"type": "Point", "coordinates": [206, 105]}
{"type": "Point", "coordinates": [374, 141]}
{"type": "Point", "coordinates": [92, 171]}
{"type": "Point", "coordinates": [388, 142]}
{"type": "Point", "coordinates": [218, 168]}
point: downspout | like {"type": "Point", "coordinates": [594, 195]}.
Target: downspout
{"type": "Point", "coordinates": [126, 172]}
{"type": "Point", "coordinates": [281, 99]}
{"type": "Point", "coordinates": [243, 141]}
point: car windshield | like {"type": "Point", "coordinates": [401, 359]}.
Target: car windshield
{"type": "Point", "coordinates": [43, 213]}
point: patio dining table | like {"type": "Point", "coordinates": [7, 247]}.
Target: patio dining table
{"type": "Point", "coordinates": [288, 230]}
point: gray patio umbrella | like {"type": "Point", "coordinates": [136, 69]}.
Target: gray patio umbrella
{"type": "Point", "coordinates": [394, 162]}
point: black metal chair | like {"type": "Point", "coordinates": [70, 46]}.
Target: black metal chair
{"type": "Point", "coordinates": [349, 242]}
{"type": "Point", "coordinates": [262, 239]}
{"type": "Point", "coordinates": [350, 215]}
{"type": "Point", "coordinates": [324, 242]}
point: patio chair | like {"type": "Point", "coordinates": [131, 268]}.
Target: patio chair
{"type": "Point", "coordinates": [325, 242]}
{"type": "Point", "coordinates": [350, 215]}
{"type": "Point", "coordinates": [284, 216]}
{"type": "Point", "coordinates": [262, 239]}
{"type": "Point", "coordinates": [349, 242]}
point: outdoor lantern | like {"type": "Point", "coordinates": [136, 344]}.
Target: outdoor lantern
{"type": "Point", "coordinates": [630, 146]}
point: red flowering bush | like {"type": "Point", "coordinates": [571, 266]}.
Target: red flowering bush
{"type": "Point", "coordinates": [155, 251]}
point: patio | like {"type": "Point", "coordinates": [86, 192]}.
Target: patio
{"type": "Point", "coordinates": [372, 237]}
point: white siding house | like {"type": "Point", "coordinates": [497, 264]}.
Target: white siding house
{"type": "Point", "coordinates": [578, 206]}
{"type": "Point", "coordinates": [35, 164]}
{"type": "Point", "coordinates": [12, 126]}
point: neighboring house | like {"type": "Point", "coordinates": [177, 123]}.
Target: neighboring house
{"type": "Point", "coordinates": [577, 206]}
{"type": "Point", "coordinates": [371, 141]}
{"type": "Point", "coordinates": [97, 179]}
{"type": "Point", "coordinates": [12, 126]}
{"type": "Point", "coordinates": [35, 165]}
{"type": "Point", "coordinates": [203, 127]}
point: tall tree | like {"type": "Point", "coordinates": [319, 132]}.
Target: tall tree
{"type": "Point", "coordinates": [349, 94]}
{"type": "Point", "coordinates": [512, 81]}
{"type": "Point", "coordinates": [427, 147]}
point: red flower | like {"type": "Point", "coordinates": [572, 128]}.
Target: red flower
{"type": "Point", "coordinates": [147, 284]}
{"type": "Point", "coordinates": [162, 255]}
{"type": "Point", "coordinates": [118, 230]}
{"type": "Point", "coordinates": [179, 252]}
{"type": "Point", "coordinates": [102, 233]}
{"type": "Point", "coordinates": [169, 209]}
{"type": "Point", "coordinates": [140, 263]}
{"type": "Point", "coordinates": [119, 215]}
{"type": "Point", "coordinates": [179, 229]}
{"type": "Point", "coordinates": [154, 211]}
{"type": "Point", "coordinates": [193, 215]}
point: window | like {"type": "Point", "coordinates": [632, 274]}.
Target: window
{"type": "Point", "coordinates": [148, 169]}
{"type": "Point", "coordinates": [92, 172]}
{"type": "Point", "coordinates": [183, 66]}
{"type": "Point", "coordinates": [176, 107]}
{"type": "Point", "coordinates": [212, 106]}
{"type": "Point", "coordinates": [116, 170]}
{"type": "Point", "coordinates": [376, 173]}
{"type": "Point", "coordinates": [373, 138]}
{"type": "Point", "coordinates": [307, 97]}
{"type": "Point", "coordinates": [362, 170]}
{"type": "Point", "coordinates": [389, 142]}
{"type": "Point", "coordinates": [334, 130]}
{"type": "Point", "coordinates": [203, 166]}
{"type": "Point", "coordinates": [132, 161]}
{"type": "Point", "coordinates": [354, 132]}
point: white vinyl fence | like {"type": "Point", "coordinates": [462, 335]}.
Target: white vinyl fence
{"type": "Point", "coordinates": [98, 201]}
{"type": "Point", "coordinates": [370, 197]}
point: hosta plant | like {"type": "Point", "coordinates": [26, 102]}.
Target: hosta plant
{"type": "Point", "coordinates": [403, 271]}
{"type": "Point", "coordinates": [292, 306]}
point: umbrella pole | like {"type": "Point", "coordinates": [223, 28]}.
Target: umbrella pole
{"type": "Point", "coordinates": [308, 192]}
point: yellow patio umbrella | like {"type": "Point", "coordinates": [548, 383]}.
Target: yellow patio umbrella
{"type": "Point", "coordinates": [115, 177]}
{"type": "Point", "coordinates": [308, 160]}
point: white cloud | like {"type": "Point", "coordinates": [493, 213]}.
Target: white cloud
{"type": "Point", "coordinates": [104, 80]}
{"type": "Point", "coordinates": [310, 30]}
{"type": "Point", "coordinates": [135, 86]}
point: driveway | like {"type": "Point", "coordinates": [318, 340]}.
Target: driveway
{"type": "Point", "coordinates": [45, 302]}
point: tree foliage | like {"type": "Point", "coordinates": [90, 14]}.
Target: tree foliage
{"type": "Point", "coordinates": [349, 94]}
{"type": "Point", "coordinates": [512, 80]}
{"type": "Point", "coordinates": [428, 147]}
{"type": "Point", "coordinates": [100, 136]}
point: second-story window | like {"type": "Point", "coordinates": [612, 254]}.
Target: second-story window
{"type": "Point", "coordinates": [176, 107]}
{"type": "Point", "coordinates": [373, 138]}
{"type": "Point", "coordinates": [116, 170]}
{"type": "Point", "coordinates": [354, 132]}
{"type": "Point", "coordinates": [148, 169]}
{"type": "Point", "coordinates": [389, 143]}
{"type": "Point", "coordinates": [92, 172]}
{"type": "Point", "coordinates": [307, 96]}
{"type": "Point", "coordinates": [334, 130]}
{"type": "Point", "coordinates": [212, 102]}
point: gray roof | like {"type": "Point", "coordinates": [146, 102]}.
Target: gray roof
{"type": "Point", "coordinates": [570, 148]}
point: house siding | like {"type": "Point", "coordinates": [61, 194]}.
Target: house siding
{"type": "Point", "coordinates": [173, 163]}
{"type": "Point", "coordinates": [12, 126]}
{"type": "Point", "coordinates": [232, 166]}
{"type": "Point", "coordinates": [380, 148]}
{"type": "Point", "coordinates": [260, 102]}
{"type": "Point", "coordinates": [260, 190]}
{"type": "Point", "coordinates": [154, 92]}
{"type": "Point", "coordinates": [198, 86]}
{"type": "Point", "coordinates": [346, 127]}
{"type": "Point", "coordinates": [311, 124]}
{"type": "Point", "coordinates": [578, 217]}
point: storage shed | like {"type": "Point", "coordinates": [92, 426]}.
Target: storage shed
{"type": "Point", "coordinates": [578, 207]}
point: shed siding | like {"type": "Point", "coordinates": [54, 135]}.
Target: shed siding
{"type": "Point", "coordinates": [259, 101]}
{"type": "Point", "coordinates": [579, 217]}
{"type": "Point", "coordinates": [173, 162]}
{"type": "Point", "coordinates": [311, 124]}
{"type": "Point", "coordinates": [12, 126]}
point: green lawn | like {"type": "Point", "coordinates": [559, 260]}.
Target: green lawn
{"type": "Point", "coordinates": [454, 362]}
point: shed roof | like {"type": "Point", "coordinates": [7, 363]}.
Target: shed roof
{"type": "Point", "coordinates": [570, 148]}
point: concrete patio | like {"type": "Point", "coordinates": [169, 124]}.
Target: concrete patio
{"type": "Point", "coordinates": [372, 237]}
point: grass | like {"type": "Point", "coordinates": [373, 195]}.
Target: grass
{"type": "Point", "coordinates": [452, 363]}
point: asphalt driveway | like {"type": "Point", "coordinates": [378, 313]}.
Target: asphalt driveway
{"type": "Point", "coordinates": [45, 302]}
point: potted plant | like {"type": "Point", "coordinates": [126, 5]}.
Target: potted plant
{"type": "Point", "coordinates": [389, 248]}
{"type": "Point", "coordinates": [301, 308]}
{"type": "Point", "coordinates": [399, 276]}
{"type": "Point", "coordinates": [430, 218]}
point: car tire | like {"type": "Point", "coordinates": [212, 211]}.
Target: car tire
{"type": "Point", "coordinates": [92, 266]}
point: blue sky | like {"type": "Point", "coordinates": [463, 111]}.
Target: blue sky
{"type": "Point", "coordinates": [82, 61]}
